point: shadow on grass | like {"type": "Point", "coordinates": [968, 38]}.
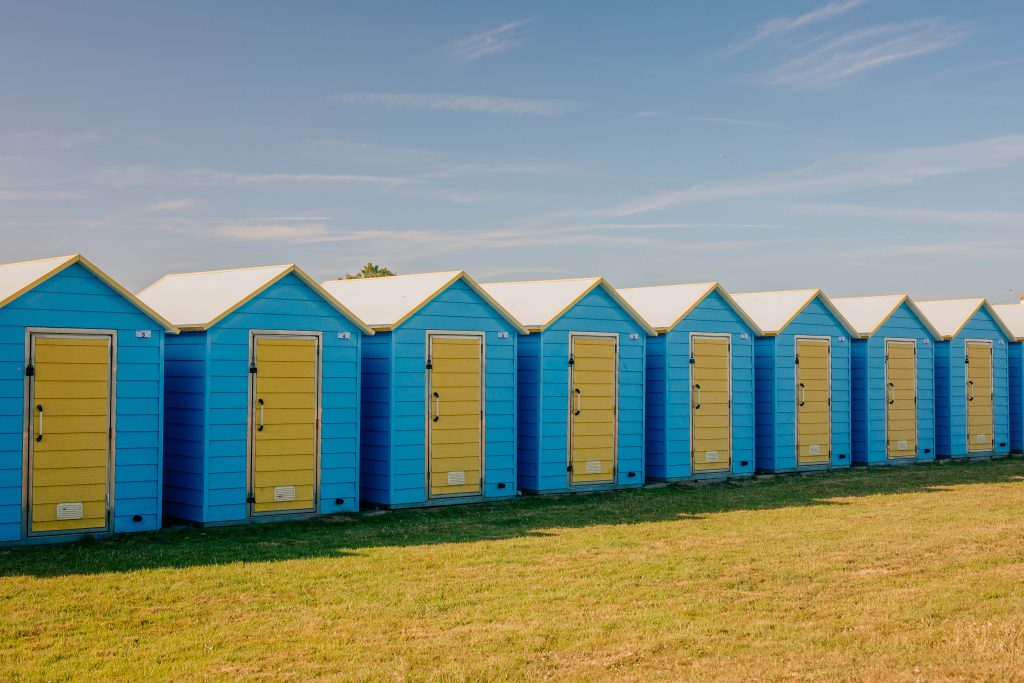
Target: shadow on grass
{"type": "Point", "coordinates": [341, 535]}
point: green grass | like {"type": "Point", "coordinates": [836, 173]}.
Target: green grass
{"type": "Point", "coordinates": [913, 573]}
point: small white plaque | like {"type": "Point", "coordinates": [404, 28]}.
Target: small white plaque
{"type": "Point", "coordinates": [901, 445]}
{"type": "Point", "coordinates": [70, 511]}
{"type": "Point", "coordinates": [634, 336]}
{"type": "Point", "coordinates": [593, 467]}
{"type": "Point", "coordinates": [711, 456]}
{"type": "Point", "coordinates": [744, 335]}
{"type": "Point", "coordinates": [842, 340]}
{"type": "Point", "coordinates": [981, 438]}
{"type": "Point", "coordinates": [143, 334]}
{"type": "Point", "coordinates": [456, 478]}
{"type": "Point", "coordinates": [924, 341]}
{"type": "Point", "coordinates": [814, 449]}
{"type": "Point", "coordinates": [503, 335]}
{"type": "Point", "coordinates": [284, 494]}
{"type": "Point", "coordinates": [344, 335]}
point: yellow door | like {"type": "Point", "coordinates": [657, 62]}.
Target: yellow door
{"type": "Point", "coordinates": [455, 408]}
{"type": "Point", "coordinates": [813, 404]}
{"type": "Point", "coordinates": [711, 449]}
{"type": "Point", "coordinates": [285, 406]}
{"type": "Point", "coordinates": [979, 397]}
{"type": "Point", "coordinates": [69, 435]}
{"type": "Point", "coordinates": [901, 398]}
{"type": "Point", "coordinates": [592, 410]}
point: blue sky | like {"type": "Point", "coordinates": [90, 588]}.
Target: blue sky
{"type": "Point", "coordinates": [859, 146]}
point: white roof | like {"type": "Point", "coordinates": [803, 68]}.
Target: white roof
{"type": "Point", "coordinates": [868, 313]}
{"type": "Point", "coordinates": [664, 306]}
{"type": "Point", "coordinates": [539, 303]}
{"type": "Point", "coordinates": [950, 315]}
{"type": "Point", "coordinates": [198, 301]}
{"type": "Point", "coordinates": [18, 278]}
{"type": "Point", "coordinates": [386, 302]}
{"type": "Point", "coordinates": [773, 311]}
{"type": "Point", "coordinates": [1012, 316]}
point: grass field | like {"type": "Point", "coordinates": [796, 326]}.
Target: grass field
{"type": "Point", "coordinates": [911, 574]}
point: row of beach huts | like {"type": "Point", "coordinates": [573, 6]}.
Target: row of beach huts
{"type": "Point", "coordinates": [259, 394]}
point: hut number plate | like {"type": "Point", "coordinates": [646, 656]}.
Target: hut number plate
{"type": "Point", "coordinates": [593, 467]}
{"type": "Point", "coordinates": [456, 478]}
{"type": "Point", "coordinates": [711, 456]}
{"type": "Point", "coordinates": [284, 494]}
{"type": "Point", "coordinates": [70, 511]}
{"type": "Point", "coordinates": [143, 334]}
{"type": "Point", "coordinates": [344, 335]}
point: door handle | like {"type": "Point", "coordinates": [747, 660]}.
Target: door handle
{"type": "Point", "coordinates": [802, 387]}
{"type": "Point", "coordinates": [437, 406]}
{"type": "Point", "coordinates": [39, 432]}
{"type": "Point", "coordinates": [579, 402]}
{"type": "Point", "coordinates": [260, 402]}
{"type": "Point", "coordinates": [892, 393]}
{"type": "Point", "coordinates": [970, 390]}
{"type": "Point", "coordinates": [697, 387]}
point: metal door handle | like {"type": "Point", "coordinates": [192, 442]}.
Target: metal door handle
{"type": "Point", "coordinates": [802, 387]}
{"type": "Point", "coordinates": [892, 393]}
{"type": "Point", "coordinates": [697, 387]}
{"type": "Point", "coordinates": [260, 402]}
{"type": "Point", "coordinates": [437, 406]}
{"type": "Point", "coordinates": [579, 402]}
{"type": "Point", "coordinates": [970, 390]}
{"type": "Point", "coordinates": [39, 434]}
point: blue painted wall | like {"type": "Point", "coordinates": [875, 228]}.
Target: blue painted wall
{"type": "Point", "coordinates": [207, 387]}
{"type": "Point", "coordinates": [394, 399]}
{"type": "Point", "coordinates": [544, 396]}
{"type": "Point", "coordinates": [1016, 385]}
{"type": "Point", "coordinates": [951, 392]}
{"type": "Point", "coordinates": [668, 391]}
{"type": "Point", "coordinates": [870, 394]}
{"type": "Point", "coordinates": [75, 298]}
{"type": "Point", "coordinates": [775, 386]}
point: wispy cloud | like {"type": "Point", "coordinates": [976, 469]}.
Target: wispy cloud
{"type": "Point", "coordinates": [32, 195]}
{"type": "Point", "coordinates": [274, 232]}
{"type": "Point", "coordinates": [725, 121]}
{"type": "Point", "coordinates": [203, 177]}
{"type": "Point", "coordinates": [1013, 220]}
{"type": "Point", "coordinates": [855, 52]}
{"type": "Point", "coordinates": [172, 205]}
{"type": "Point", "coordinates": [527, 168]}
{"type": "Point", "coordinates": [842, 174]}
{"type": "Point", "coordinates": [782, 25]}
{"type": "Point", "coordinates": [487, 104]}
{"type": "Point", "coordinates": [490, 42]}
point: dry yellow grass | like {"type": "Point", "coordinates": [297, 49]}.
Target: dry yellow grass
{"type": "Point", "coordinates": [908, 574]}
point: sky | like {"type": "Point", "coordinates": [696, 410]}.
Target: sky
{"type": "Point", "coordinates": [859, 146]}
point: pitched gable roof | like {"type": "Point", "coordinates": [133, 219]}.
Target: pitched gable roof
{"type": "Point", "coordinates": [1012, 317]}
{"type": "Point", "coordinates": [868, 313]}
{"type": "Point", "coordinates": [539, 303]}
{"type": "Point", "coordinates": [665, 306]}
{"type": "Point", "coordinates": [949, 316]}
{"type": "Point", "coordinates": [387, 302]}
{"type": "Point", "coordinates": [19, 278]}
{"type": "Point", "coordinates": [773, 311]}
{"type": "Point", "coordinates": [198, 301]}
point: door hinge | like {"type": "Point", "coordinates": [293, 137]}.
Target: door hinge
{"type": "Point", "coordinates": [30, 370]}
{"type": "Point", "coordinates": [692, 360]}
{"type": "Point", "coordinates": [568, 468]}
{"type": "Point", "coordinates": [252, 368]}
{"type": "Point", "coordinates": [430, 366]}
{"type": "Point", "coordinates": [572, 361]}
{"type": "Point", "coordinates": [796, 360]}
{"type": "Point", "coordinates": [250, 499]}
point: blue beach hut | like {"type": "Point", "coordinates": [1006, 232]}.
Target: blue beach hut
{"type": "Point", "coordinates": [972, 396]}
{"type": "Point", "coordinates": [1012, 316]}
{"type": "Point", "coordinates": [802, 380]}
{"type": "Point", "coordinates": [581, 385]}
{"type": "Point", "coordinates": [81, 400]}
{"type": "Point", "coordinates": [262, 395]}
{"type": "Point", "coordinates": [893, 375]}
{"type": "Point", "coordinates": [439, 390]}
{"type": "Point", "coordinates": [700, 382]}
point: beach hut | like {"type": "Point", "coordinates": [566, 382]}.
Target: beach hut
{"type": "Point", "coordinates": [439, 389]}
{"type": "Point", "coordinates": [262, 395]}
{"type": "Point", "coordinates": [972, 398]}
{"type": "Point", "coordinates": [1012, 316]}
{"type": "Point", "coordinates": [80, 403]}
{"type": "Point", "coordinates": [580, 384]}
{"type": "Point", "coordinates": [802, 380]}
{"type": "Point", "coordinates": [893, 379]}
{"type": "Point", "coordinates": [700, 382]}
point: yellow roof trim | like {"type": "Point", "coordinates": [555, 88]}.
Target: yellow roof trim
{"type": "Point", "coordinates": [992, 314]}
{"type": "Point", "coordinates": [616, 297]}
{"type": "Point", "coordinates": [828, 304]}
{"type": "Point", "coordinates": [917, 311]}
{"type": "Point", "coordinates": [106, 279]}
{"type": "Point", "coordinates": [460, 275]}
{"type": "Point", "coordinates": [716, 287]}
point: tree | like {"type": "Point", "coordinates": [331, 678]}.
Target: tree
{"type": "Point", "coordinates": [369, 270]}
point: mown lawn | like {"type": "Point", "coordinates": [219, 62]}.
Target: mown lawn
{"type": "Point", "coordinates": [912, 574]}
